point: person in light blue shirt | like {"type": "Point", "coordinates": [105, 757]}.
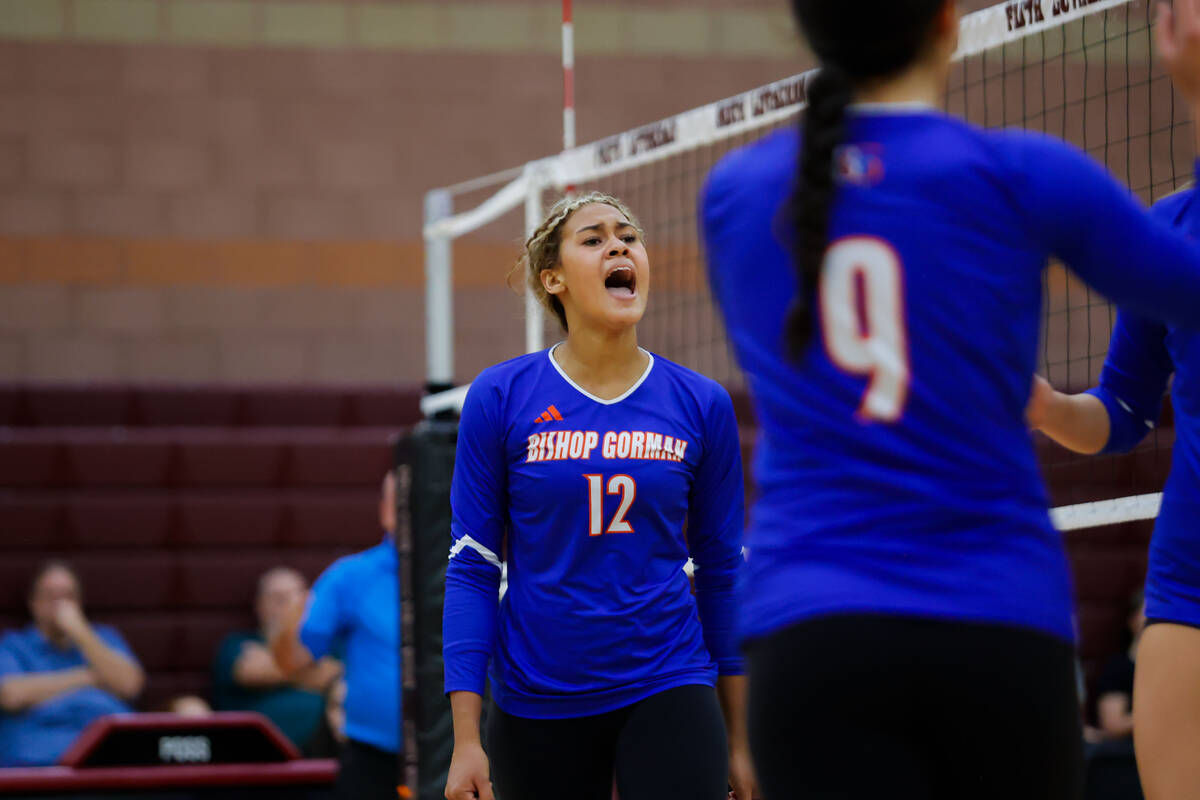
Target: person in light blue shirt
{"type": "Point", "coordinates": [354, 609]}
{"type": "Point", "coordinates": [60, 673]}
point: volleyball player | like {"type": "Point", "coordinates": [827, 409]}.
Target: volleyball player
{"type": "Point", "coordinates": [584, 463]}
{"type": "Point", "coordinates": [1113, 417]}
{"type": "Point", "coordinates": [907, 605]}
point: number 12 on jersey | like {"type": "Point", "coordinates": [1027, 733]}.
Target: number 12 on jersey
{"type": "Point", "coordinates": [862, 321]}
{"type": "Point", "coordinates": [617, 484]}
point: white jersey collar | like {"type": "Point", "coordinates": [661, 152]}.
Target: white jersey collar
{"type": "Point", "coordinates": [589, 395]}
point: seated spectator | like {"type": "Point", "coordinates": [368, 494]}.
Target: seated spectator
{"type": "Point", "coordinates": [1114, 692]}
{"type": "Point", "coordinates": [246, 677]}
{"type": "Point", "coordinates": [356, 604]}
{"type": "Point", "coordinates": [60, 673]}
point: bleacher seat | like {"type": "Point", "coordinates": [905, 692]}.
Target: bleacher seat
{"type": "Point", "coordinates": [11, 404]}
{"type": "Point", "coordinates": [197, 406]}
{"type": "Point", "coordinates": [72, 405]}
{"type": "Point", "coordinates": [123, 519]}
{"type": "Point", "coordinates": [118, 458]}
{"type": "Point", "coordinates": [229, 518]}
{"type": "Point", "coordinates": [384, 407]}
{"type": "Point", "coordinates": [152, 635]}
{"type": "Point", "coordinates": [348, 518]}
{"type": "Point", "coordinates": [359, 458]}
{"type": "Point", "coordinates": [222, 459]}
{"type": "Point", "coordinates": [30, 460]}
{"type": "Point", "coordinates": [31, 519]}
{"type": "Point", "coordinates": [292, 407]}
{"type": "Point", "coordinates": [16, 571]}
{"type": "Point", "coordinates": [139, 580]}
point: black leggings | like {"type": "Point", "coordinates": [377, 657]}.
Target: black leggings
{"type": "Point", "coordinates": [670, 745]}
{"type": "Point", "coordinates": [367, 773]}
{"type": "Point", "coordinates": [877, 707]}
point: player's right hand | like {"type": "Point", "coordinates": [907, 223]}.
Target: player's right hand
{"type": "Point", "coordinates": [469, 775]}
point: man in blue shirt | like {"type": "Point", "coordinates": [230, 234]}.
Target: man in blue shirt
{"type": "Point", "coordinates": [60, 673]}
{"type": "Point", "coordinates": [355, 604]}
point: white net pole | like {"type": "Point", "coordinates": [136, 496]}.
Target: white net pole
{"type": "Point", "coordinates": [439, 293]}
{"type": "Point", "coordinates": [534, 326]}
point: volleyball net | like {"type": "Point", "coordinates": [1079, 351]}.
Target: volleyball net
{"type": "Point", "coordinates": [1081, 71]}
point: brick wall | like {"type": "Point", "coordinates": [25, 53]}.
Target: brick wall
{"type": "Point", "coordinates": [230, 190]}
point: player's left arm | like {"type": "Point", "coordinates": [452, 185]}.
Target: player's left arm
{"type": "Point", "coordinates": [1118, 413]}
{"type": "Point", "coordinates": [716, 512]}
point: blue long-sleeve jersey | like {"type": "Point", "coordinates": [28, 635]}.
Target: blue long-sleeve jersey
{"type": "Point", "coordinates": [589, 498]}
{"type": "Point", "coordinates": [1142, 355]}
{"type": "Point", "coordinates": [895, 470]}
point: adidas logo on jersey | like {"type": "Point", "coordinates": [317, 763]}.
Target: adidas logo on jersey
{"type": "Point", "coordinates": [549, 414]}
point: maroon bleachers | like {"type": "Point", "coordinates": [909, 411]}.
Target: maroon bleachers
{"type": "Point", "coordinates": [227, 519]}
{"type": "Point", "coordinates": [97, 405]}
{"type": "Point", "coordinates": [172, 500]}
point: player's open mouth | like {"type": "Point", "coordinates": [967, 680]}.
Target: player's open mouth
{"type": "Point", "coordinates": [621, 282]}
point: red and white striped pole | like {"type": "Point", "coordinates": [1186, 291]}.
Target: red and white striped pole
{"type": "Point", "coordinates": [568, 64]}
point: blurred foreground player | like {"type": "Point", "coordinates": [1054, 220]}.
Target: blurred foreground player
{"type": "Point", "coordinates": [60, 673]}
{"type": "Point", "coordinates": [583, 463]}
{"type": "Point", "coordinates": [880, 277]}
{"type": "Point", "coordinates": [355, 606]}
{"type": "Point", "coordinates": [1143, 354]}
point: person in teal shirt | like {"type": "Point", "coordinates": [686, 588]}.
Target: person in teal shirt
{"type": "Point", "coordinates": [246, 677]}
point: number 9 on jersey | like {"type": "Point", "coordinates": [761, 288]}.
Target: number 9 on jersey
{"type": "Point", "coordinates": [863, 324]}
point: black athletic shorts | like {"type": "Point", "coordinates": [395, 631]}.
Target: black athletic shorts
{"type": "Point", "coordinates": [877, 707]}
{"type": "Point", "coordinates": [669, 745]}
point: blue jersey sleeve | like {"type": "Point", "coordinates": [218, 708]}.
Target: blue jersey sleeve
{"type": "Point", "coordinates": [716, 513]}
{"type": "Point", "coordinates": [1133, 380]}
{"type": "Point", "coordinates": [1090, 221]}
{"type": "Point", "coordinates": [324, 618]}
{"type": "Point", "coordinates": [478, 505]}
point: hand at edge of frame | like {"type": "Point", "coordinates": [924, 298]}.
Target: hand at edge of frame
{"type": "Point", "coordinates": [468, 778]}
{"type": "Point", "coordinates": [1177, 33]}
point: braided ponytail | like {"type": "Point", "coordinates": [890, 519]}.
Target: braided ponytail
{"type": "Point", "coordinates": [823, 130]}
{"type": "Point", "coordinates": [856, 43]}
